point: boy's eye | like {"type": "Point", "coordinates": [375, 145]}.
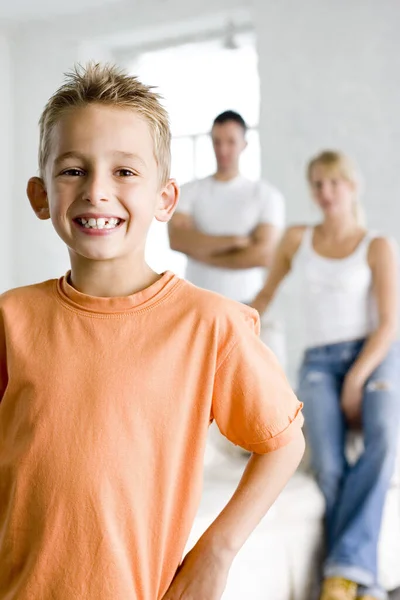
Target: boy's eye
{"type": "Point", "coordinates": [125, 173]}
{"type": "Point", "coordinates": [73, 172]}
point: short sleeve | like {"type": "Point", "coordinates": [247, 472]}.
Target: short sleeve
{"type": "Point", "coordinates": [187, 198]}
{"type": "Point", "coordinates": [272, 206]}
{"type": "Point", "coordinates": [253, 403]}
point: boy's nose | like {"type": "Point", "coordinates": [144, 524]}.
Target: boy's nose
{"type": "Point", "coordinates": [95, 191]}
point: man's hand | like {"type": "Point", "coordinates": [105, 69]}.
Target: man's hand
{"type": "Point", "coordinates": [257, 252]}
{"type": "Point", "coordinates": [351, 400]}
{"type": "Point", "coordinates": [242, 241]}
{"type": "Point", "coordinates": [185, 237]}
{"type": "Point", "coordinates": [202, 575]}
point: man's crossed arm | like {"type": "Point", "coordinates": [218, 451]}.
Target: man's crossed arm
{"type": "Point", "coordinates": [230, 252]}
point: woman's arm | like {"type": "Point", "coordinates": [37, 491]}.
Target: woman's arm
{"type": "Point", "coordinates": [281, 266]}
{"type": "Point", "coordinates": [382, 259]}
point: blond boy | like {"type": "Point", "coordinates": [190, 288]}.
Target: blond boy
{"type": "Point", "coordinates": [111, 375]}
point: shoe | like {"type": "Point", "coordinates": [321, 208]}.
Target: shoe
{"type": "Point", "coordinates": [337, 588]}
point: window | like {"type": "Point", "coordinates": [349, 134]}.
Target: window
{"type": "Point", "coordinates": [199, 81]}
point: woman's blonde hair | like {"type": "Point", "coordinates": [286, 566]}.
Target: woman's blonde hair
{"type": "Point", "coordinates": [339, 163]}
{"type": "Point", "coordinates": [107, 85]}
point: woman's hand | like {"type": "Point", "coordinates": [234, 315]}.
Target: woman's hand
{"type": "Point", "coordinates": [280, 267]}
{"type": "Point", "coordinates": [351, 401]}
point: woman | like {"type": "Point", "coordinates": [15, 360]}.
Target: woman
{"type": "Point", "coordinates": [349, 375]}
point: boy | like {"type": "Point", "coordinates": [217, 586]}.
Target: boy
{"type": "Point", "coordinates": [110, 377]}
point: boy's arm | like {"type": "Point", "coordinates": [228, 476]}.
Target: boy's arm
{"type": "Point", "coordinates": [204, 571]}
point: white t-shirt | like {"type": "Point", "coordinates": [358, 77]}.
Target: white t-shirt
{"type": "Point", "coordinates": [234, 207]}
{"type": "Point", "coordinates": [338, 300]}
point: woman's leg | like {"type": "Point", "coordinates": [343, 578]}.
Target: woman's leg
{"type": "Point", "coordinates": [319, 390]}
{"type": "Point", "coordinates": [359, 512]}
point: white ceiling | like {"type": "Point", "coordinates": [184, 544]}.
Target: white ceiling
{"type": "Point", "coordinates": [25, 10]}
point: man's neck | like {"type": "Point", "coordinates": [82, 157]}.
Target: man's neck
{"type": "Point", "coordinates": [114, 278]}
{"type": "Point", "coordinates": [227, 175]}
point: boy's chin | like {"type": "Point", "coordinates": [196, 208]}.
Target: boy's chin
{"type": "Point", "coordinates": [83, 255]}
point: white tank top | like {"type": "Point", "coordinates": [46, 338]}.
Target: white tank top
{"type": "Point", "coordinates": [338, 304]}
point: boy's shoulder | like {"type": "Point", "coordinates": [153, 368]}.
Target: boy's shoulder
{"type": "Point", "coordinates": [28, 294]}
{"type": "Point", "coordinates": [213, 307]}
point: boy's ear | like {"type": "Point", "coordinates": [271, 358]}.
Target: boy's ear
{"type": "Point", "coordinates": [168, 200]}
{"type": "Point", "coordinates": [37, 194]}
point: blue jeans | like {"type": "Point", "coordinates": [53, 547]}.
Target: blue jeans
{"type": "Point", "coordinates": [354, 494]}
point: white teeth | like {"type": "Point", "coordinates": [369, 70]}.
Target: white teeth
{"type": "Point", "coordinates": [100, 223]}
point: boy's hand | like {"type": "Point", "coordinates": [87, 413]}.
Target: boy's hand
{"type": "Point", "coordinates": [202, 576]}
{"type": "Point", "coordinates": [204, 572]}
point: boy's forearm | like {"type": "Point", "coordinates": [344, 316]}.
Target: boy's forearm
{"type": "Point", "coordinates": [263, 479]}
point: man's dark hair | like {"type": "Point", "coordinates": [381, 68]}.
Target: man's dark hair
{"type": "Point", "coordinates": [230, 115]}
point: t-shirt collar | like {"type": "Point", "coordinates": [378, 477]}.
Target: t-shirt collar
{"type": "Point", "coordinates": [137, 301]}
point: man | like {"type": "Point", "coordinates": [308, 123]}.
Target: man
{"type": "Point", "coordinates": [229, 226]}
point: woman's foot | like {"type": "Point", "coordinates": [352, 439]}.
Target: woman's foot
{"type": "Point", "coordinates": [338, 588]}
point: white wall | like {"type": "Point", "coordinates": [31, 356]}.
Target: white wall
{"type": "Point", "coordinates": [39, 63]}
{"type": "Point", "coordinates": [38, 66]}
{"type": "Point", "coordinates": [6, 147]}
{"type": "Point", "coordinates": [130, 21]}
{"type": "Point", "coordinates": [330, 77]}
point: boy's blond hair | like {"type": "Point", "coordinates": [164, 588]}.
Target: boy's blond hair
{"type": "Point", "coordinates": [109, 86]}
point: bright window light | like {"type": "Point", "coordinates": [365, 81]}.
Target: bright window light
{"type": "Point", "coordinates": [198, 81]}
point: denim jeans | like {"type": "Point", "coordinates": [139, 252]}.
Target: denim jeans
{"type": "Point", "coordinates": [354, 494]}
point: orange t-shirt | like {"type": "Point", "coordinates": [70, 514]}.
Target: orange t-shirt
{"type": "Point", "coordinates": [105, 406]}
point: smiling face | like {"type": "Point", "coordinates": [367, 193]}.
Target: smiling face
{"type": "Point", "coordinates": [102, 185]}
{"type": "Point", "coordinates": [333, 193]}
